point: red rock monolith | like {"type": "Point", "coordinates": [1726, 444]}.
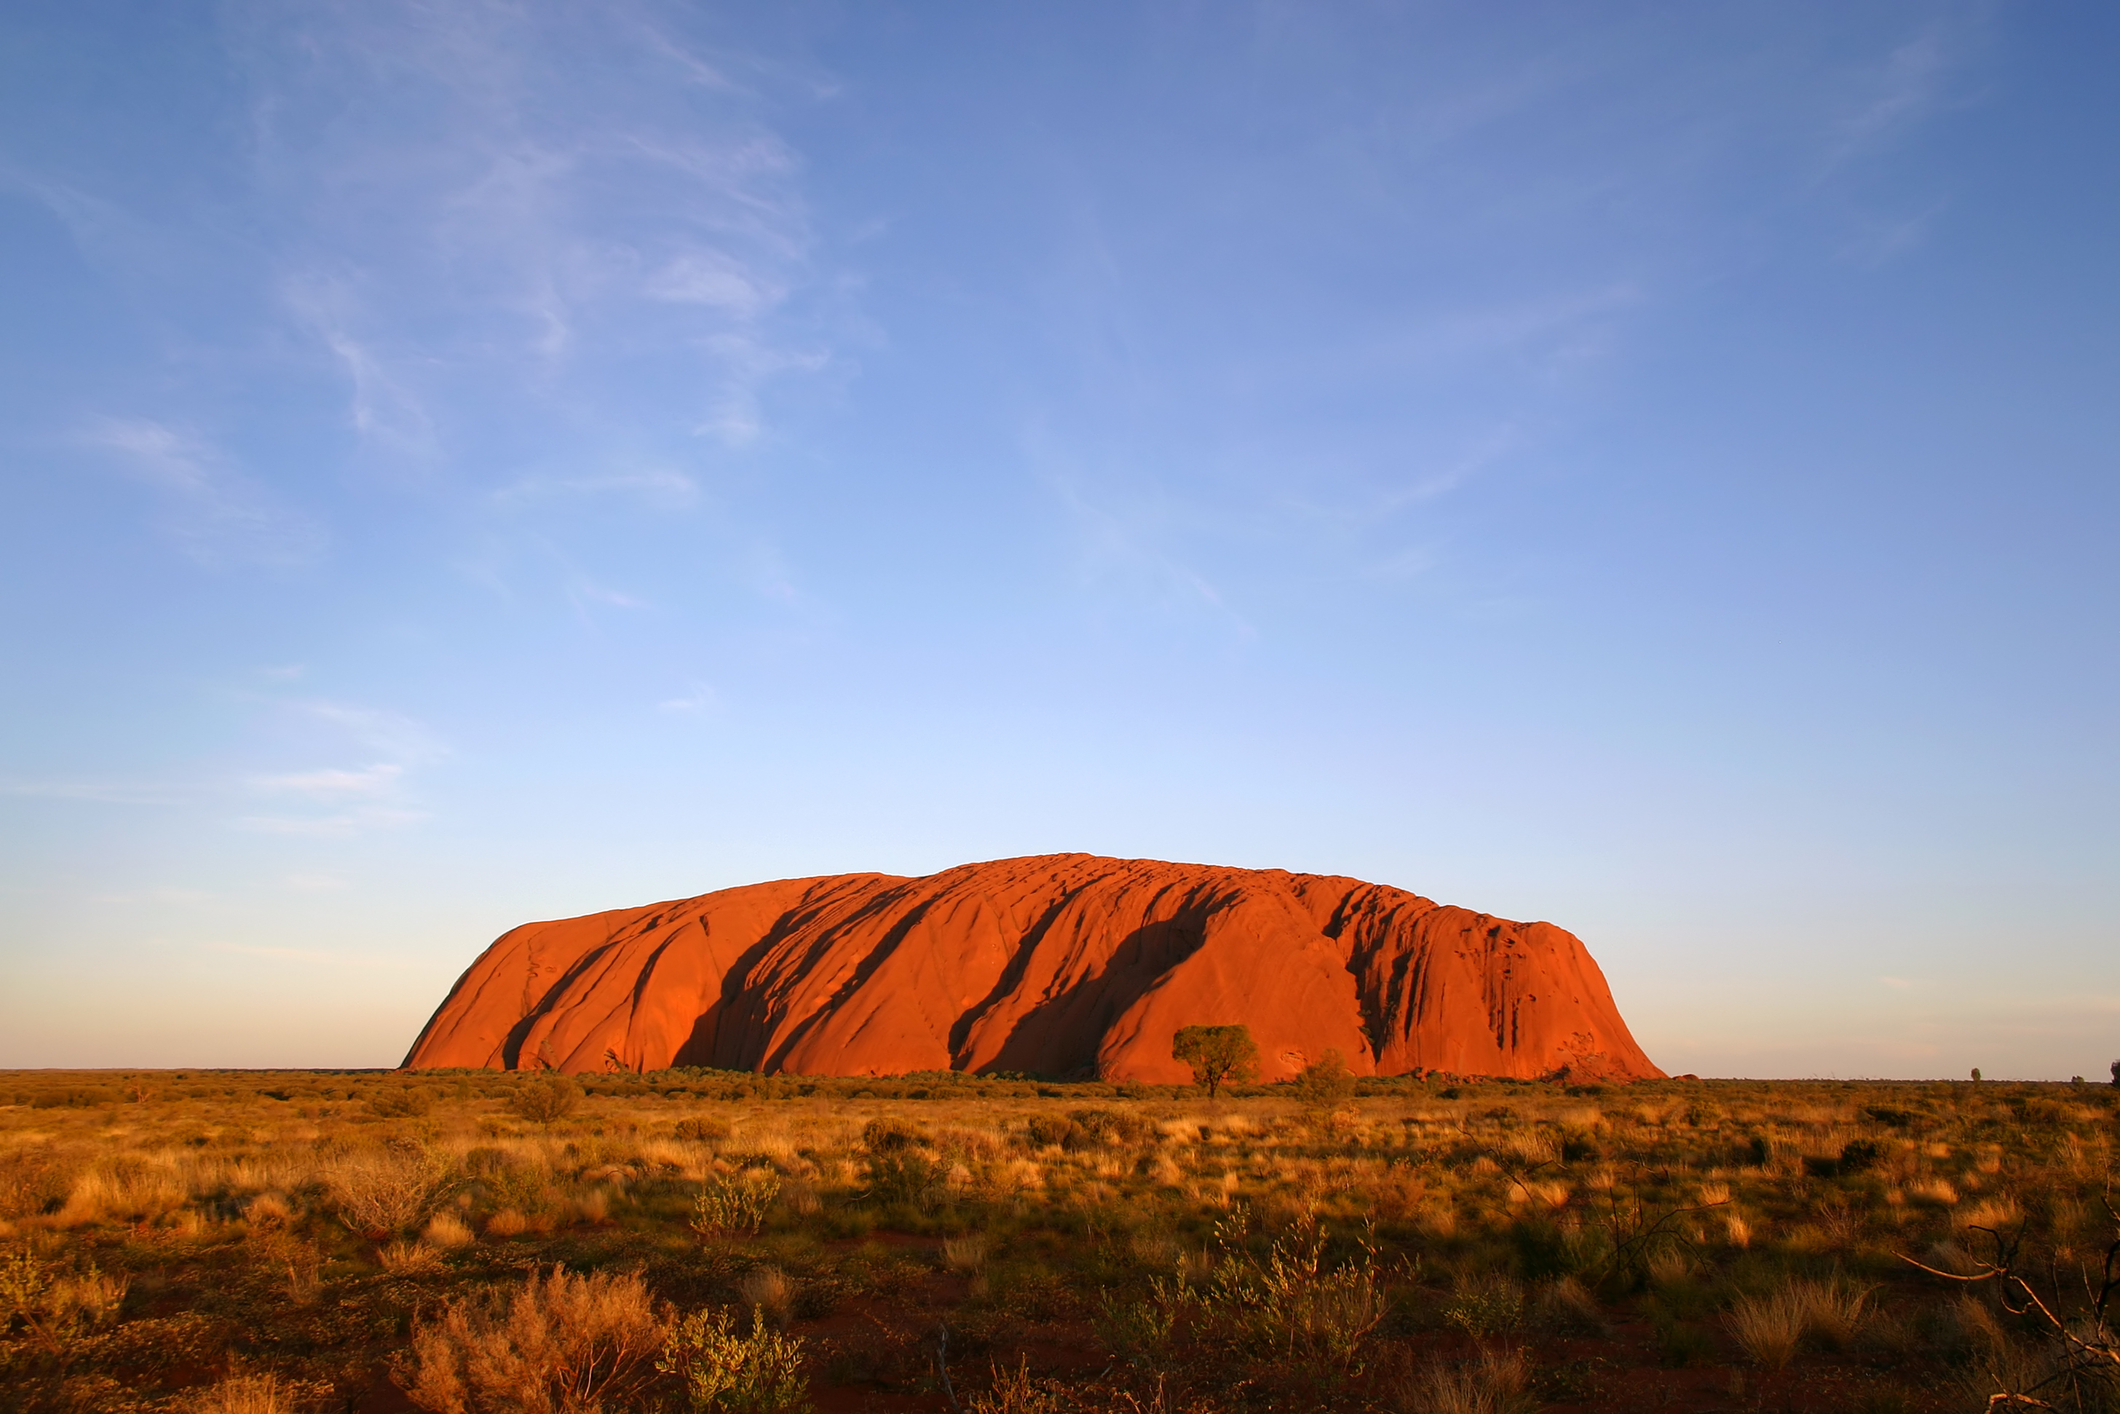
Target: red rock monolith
{"type": "Point", "coordinates": [1060, 965]}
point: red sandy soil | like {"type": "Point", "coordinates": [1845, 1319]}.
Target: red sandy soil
{"type": "Point", "coordinates": [1056, 965]}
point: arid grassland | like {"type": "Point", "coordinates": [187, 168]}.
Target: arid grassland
{"type": "Point", "coordinates": [260, 1242]}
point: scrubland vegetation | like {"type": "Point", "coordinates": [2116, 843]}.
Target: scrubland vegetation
{"type": "Point", "coordinates": [221, 1242]}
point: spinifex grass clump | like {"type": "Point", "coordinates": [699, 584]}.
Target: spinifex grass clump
{"type": "Point", "coordinates": [1011, 1241]}
{"type": "Point", "coordinates": [1491, 1382]}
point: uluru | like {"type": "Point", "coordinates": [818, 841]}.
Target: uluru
{"type": "Point", "coordinates": [1066, 965]}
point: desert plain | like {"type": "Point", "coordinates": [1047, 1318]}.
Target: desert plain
{"type": "Point", "coordinates": [444, 1240]}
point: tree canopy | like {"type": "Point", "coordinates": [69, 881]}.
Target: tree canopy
{"type": "Point", "coordinates": [1217, 1054]}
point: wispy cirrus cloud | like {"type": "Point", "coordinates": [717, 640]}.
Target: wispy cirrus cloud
{"type": "Point", "coordinates": [1902, 93]}
{"type": "Point", "coordinates": [332, 783]}
{"type": "Point", "coordinates": [658, 488]}
{"type": "Point", "coordinates": [1564, 324]}
{"type": "Point", "coordinates": [214, 512]}
{"type": "Point", "coordinates": [381, 405]}
{"type": "Point", "coordinates": [1910, 84]}
{"type": "Point", "coordinates": [332, 800]}
{"type": "Point", "coordinates": [338, 825]}
{"type": "Point", "coordinates": [101, 792]}
{"type": "Point", "coordinates": [585, 593]}
{"type": "Point", "coordinates": [1128, 543]}
{"type": "Point", "coordinates": [698, 698]}
{"type": "Point", "coordinates": [338, 801]}
{"type": "Point", "coordinates": [392, 734]}
{"type": "Point", "coordinates": [507, 202]}
{"type": "Point", "coordinates": [309, 955]}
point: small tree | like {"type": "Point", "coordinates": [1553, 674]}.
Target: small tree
{"type": "Point", "coordinates": [1216, 1054]}
{"type": "Point", "coordinates": [2116, 1072]}
{"type": "Point", "coordinates": [1326, 1082]}
{"type": "Point", "coordinates": [1976, 1072]}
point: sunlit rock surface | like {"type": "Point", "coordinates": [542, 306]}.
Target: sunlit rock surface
{"type": "Point", "coordinates": [1059, 965]}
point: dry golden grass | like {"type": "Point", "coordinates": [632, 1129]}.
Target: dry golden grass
{"type": "Point", "coordinates": [1497, 1212]}
{"type": "Point", "coordinates": [1568, 1306]}
{"type": "Point", "coordinates": [558, 1343]}
{"type": "Point", "coordinates": [507, 1222]}
{"type": "Point", "coordinates": [388, 1190]}
{"type": "Point", "coordinates": [964, 1254]}
{"type": "Point", "coordinates": [1996, 1213]}
{"type": "Point", "coordinates": [1492, 1382]}
{"type": "Point", "coordinates": [448, 1231]}
{"type": "Point", "coordinates": [770, 1287]}
{"type": "Point", "coordinates": [410, 1259]}
{"type": "Point", "coordinates": [268, 1210]}
{"type": "Point", "coordinates": [1771, 1327]}
{"type": "Point", "coordinates": [1768, 1328]}
{"type": "Point", "coordinates": [244, 1394]}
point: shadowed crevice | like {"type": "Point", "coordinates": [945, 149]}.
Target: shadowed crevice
{"type": "Point", "coordinates": [1012, 975]}
{"type": "Point", "coordinates": [1062, 1035]}
{"type": "Point", "coordinates": [512, 1047]}
{"type": "Point", "coordinates": [863, 970]}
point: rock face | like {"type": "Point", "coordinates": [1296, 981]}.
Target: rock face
{"type": "Point", "coordinates": [1056, 965]}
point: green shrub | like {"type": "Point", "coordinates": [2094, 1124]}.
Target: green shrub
{"type": "Point", "coordinates": [1141, 1331]}
{"type": "Point", "coordinates": [402, 1103]}
{"type": "Point", "coordinates": [31, 1181]}
{"type": "Point", "coordinates": [1051, 1129]}
{"type": "Point", "coordinates": [884, 1136]}
{"type": "Point", "coordinates": [901, 1170]}
{"type": "Point", "coordinates": [483, 1161]}
{"type": "Point", "coordinates": [546, 1100]}
{"type": "Point", "coordinates": [734, 1205]}
{"type": "Point", "coordinates": [53, 1303]}
{"type": "Point", "coordinates": [1092, 1129]}
{"type": "Point", "coordinates": [1293, 1301]}
{"type": "Point", "coordinates": [73, 1099]}
{"type": "Point", "coordinates": [1893, 1117]}
{"type": "Point", "coordinates": [1859, 1155]}
{"type": "Point", "coordinates": [1485, 1304]}
{"type": "Point", "coordinates": [728, 1373]}
{"type": "Point", "coordinates": [703, 1129]}
{"type": "Point", "coordinates": [1326, 1082]}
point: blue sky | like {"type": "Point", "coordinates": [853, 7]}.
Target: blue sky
{"type": "Point", "coordinates": [1645, 467]}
